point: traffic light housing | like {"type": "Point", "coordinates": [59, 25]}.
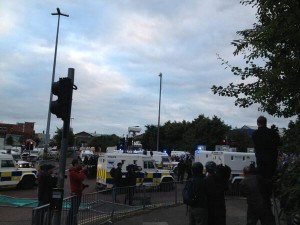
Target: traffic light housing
{"type": "Point", "coordinates": [63, 89]}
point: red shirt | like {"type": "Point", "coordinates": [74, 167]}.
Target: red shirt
{"type": "Point", "coordinates": [76, 178]}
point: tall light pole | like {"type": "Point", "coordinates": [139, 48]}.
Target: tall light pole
{"type": "Point", "coordinates": [58, 13]}
{"type": "Point", "coordinates": [158, 125]}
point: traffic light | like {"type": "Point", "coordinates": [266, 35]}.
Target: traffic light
{"type": "Point", "coordinates": [63, 89]}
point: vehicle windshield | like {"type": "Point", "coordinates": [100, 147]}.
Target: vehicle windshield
{"type": "Point", "coordinates": [165, 159]}
{"type": "Point", "coordinates": [149, 165]}
{"type": "Point", "coordinates": [16, 157]}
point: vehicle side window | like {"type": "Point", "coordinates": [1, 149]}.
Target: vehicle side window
{"type": "Point", "coordinates": [145, 165]}
{"type": "Point", "coordinates": [151, 165]}
{"type": "Point", "coordinates": [7, 163]}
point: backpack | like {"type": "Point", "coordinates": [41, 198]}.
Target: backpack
{"type": "Point", "coordinates": [189, 193]}
{"type": "Point", "coordinates": [112, 172]}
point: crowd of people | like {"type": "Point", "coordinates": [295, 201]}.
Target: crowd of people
{"type": "Point", "coordinates": [208, 207]}
{"type": "Point", "coordinates": [91, 165]}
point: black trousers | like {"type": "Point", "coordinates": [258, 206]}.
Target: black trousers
{"type": "Point", "coordinates": [265, 216]}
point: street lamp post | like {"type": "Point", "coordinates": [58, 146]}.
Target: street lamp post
{"type": "Point", "coordinates": [58, 13]}
{"type": "Point", "coordinates": [158, 125]}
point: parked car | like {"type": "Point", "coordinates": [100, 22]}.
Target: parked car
{"type": "Point", "coordinates": [24, 164]}
{"type": "Point", "coordinates": [36, 154]}
{"type": "Point", "coordinates": [25, 154]}
{"type": "Point", "coordinates": [86, 153]}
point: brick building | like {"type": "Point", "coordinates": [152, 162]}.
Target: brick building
{"type": "Point", "coordinates": [20, 132]}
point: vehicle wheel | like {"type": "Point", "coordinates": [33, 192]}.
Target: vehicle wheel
{"type": "Point", "coordinates": [166, 185]}
{"type": "Point", "coordinates": [27, 182]}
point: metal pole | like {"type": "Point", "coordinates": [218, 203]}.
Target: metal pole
{"type": "Point", "coordinates": [53, 76]}
{"type": "Point", "coordinates": [158, 125]}
{"type": "Point", "coordinates": [63, 153]}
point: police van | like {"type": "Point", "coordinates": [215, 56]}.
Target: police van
{"type": "Point", "coordinates": [147, 172]}
{"type": "Point", "coordinates": [235, 160]}
{"type": "Point", "coordinates": [11, 175]}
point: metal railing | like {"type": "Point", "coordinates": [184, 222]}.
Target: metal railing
{"type": "Point", "coordinates": [113, 204]}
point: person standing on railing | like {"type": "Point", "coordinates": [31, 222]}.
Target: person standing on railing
{"type": "Point", "coordinates": [77, 174]}
{"type": "Point", "coordinates": [266, 143]}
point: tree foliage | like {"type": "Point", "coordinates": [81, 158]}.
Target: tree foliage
{"type": "Point", "coordinates": [240, 139]}
{"type": "Point", "coordinates": [104, 141]}
{"type": "Point", "coordinates": [58, 136]}
{"type": "Point", "coordinates": [291, 138]}
{"type": "Point", "coordinates": [186, 135]}
{"type": "Point", "coordinates": [271, 50]}
{"type": "Point", "coordinates": [10, 140]}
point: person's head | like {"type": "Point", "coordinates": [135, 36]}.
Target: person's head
{"type": "Point", "coordinates": [210, 167]}
{"type": "Point", "coordinates": [249, 170]}
{"type": "Point", "coordinates": [76, 163]}
{"type": "Point", "coordinates": [119, 165]}
{"type": "Point", "coordinates": [261, 121]}
{"type": "Point", "coordinates": [223, 173]}
{"type": "Point", "coordinates": [197, 168]}
{"type": "Point", "coordinates": [49, 168]}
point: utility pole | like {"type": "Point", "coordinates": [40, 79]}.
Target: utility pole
{"type": "Point", "coordinates": [58, 13]}
{"type": "Point", "coordinates": [57, 208]}
{"type": "Point", "coordinates": [158, 125]}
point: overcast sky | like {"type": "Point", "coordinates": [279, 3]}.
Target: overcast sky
{"type": "Point", "coordinates": [118, 49]}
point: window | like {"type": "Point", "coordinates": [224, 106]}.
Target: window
{"type": "Point", "coordinates": [7, 163]}
{"type": "Point", "coordinates": [165, 159]}
{"type": "Point", "coordinates": [149, 165]}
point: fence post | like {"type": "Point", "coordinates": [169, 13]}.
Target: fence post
{"type": "Point", "coordinates": [144, 197]}
{"type": "Point", "coordinates": [176, 191]}
{"type": "Point", "coordinates": [114, 189]}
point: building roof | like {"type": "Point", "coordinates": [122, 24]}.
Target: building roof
{"type": "Point", "coordinates": [249, 127]}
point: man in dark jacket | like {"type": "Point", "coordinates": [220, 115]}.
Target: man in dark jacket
{"type": "Point", "coordinates": [130, 183]}
{"type": "Point", "coordinates": [198, 210]}
{"type": "Point", "coordinates": [265, 145]}
{"type": "Point", "coordinates": [117, 180]}
{"type": "Point", "coordinates": [46, 181]}
{"type": "Point", "coordinates": [181, 170]}
{"type": "Point", "coordinates": [77, 175]}
{"type": "Point", "coordinates": [215, 186]}
{"type": "Point", "coordinates": [259, 208]}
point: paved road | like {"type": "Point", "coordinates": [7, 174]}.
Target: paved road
{"type": "Point", "coordinates": [236, 215]}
